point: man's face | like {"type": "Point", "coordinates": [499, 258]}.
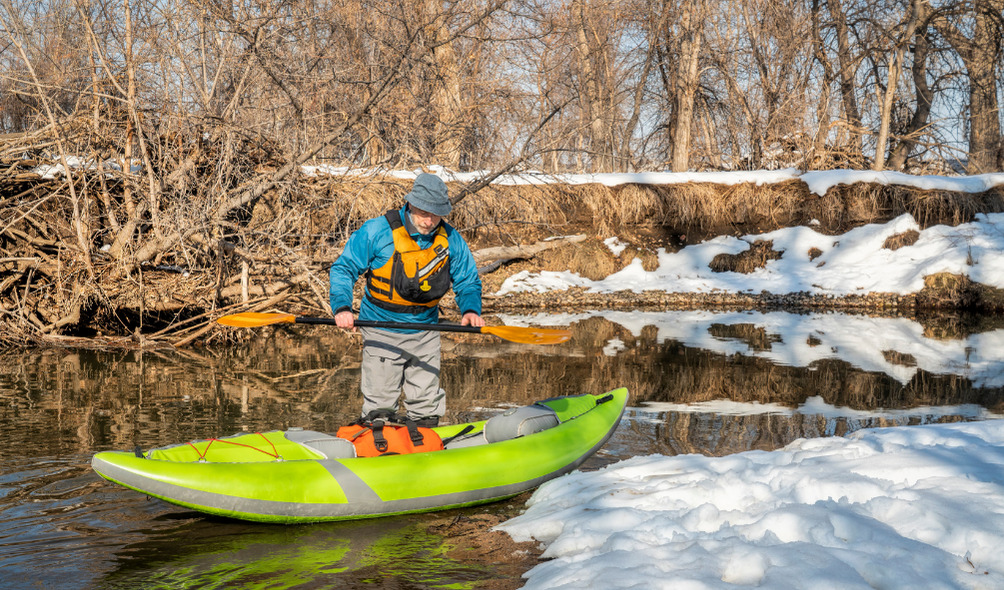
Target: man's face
{"type": "Point", "coordinates": [424, 221]}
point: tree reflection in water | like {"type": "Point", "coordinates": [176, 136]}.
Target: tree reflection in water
{"type": "Point", "coordinates": [704, 382]}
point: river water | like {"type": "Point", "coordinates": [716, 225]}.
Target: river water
{"type": "Point", "coordinates": [700, 381]}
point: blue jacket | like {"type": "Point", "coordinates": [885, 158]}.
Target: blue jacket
{"type": "Point", "coordinates": [372, 245]}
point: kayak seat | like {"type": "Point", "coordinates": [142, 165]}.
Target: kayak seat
{"type": "Point", "coordinates": [519, 422]}
{"type": "Point", "coordinates": [328, 445]}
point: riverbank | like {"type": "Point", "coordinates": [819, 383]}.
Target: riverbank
{"type": "Point", "coordinates": [752, 240]}
{"type": "Point", "coordinates": [896, 266]}
{"type": "Point", "coordinates": [905, 507]}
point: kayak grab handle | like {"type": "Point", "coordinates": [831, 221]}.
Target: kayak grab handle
{"type": "Point", "coordinates": [605, 399]}
{"type": "Point", "coordinates": [450, 439]}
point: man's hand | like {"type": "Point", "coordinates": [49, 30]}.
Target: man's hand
{"type": "Point", "coordinates": [470, 319]}
{"type": "Point", "coordinates": [344, 319]}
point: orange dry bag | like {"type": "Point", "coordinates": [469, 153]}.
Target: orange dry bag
{"type": "Point", "coordinates": [378, 437]}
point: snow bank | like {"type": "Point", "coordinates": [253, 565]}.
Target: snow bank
{"type": "Point", "coordinates": [818, 181]}
{"type": "Point", "coordinates": [821, 181]}
{"type": "Point", "coordinates": [854, 263]}
{"type": "Point", "coordinates": [908, 507]}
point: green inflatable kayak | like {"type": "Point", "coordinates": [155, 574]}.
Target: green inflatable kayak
{"type": "Point", "coordinates": [306, 476]}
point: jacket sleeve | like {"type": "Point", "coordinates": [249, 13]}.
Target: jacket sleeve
{"type": "Point", "coordinates": [346, 270]}
{"type": "Point", "coordinates": [464, 273]}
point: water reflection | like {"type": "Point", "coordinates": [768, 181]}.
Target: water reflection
{"type": "Point", "coordinates": [712, 383]}
{"type": "Point", "coordinates": [227, 554]}
{"type": "Point", "coordinates": [899, 347]}
{"type": "Point", "coordinates": [724, 382]}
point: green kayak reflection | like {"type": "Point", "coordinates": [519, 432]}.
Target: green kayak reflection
{"type": "Point", "coordinates": [219, 553]}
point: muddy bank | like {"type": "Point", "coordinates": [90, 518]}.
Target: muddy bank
{"type": "Point", "coordinates": [470, 539]}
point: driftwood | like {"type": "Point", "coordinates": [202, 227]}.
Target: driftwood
{"type": "Point", "coordinates": [500, 255]}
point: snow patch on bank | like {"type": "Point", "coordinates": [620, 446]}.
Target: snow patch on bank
{"type": "Point", "coordinates": [854, 263]}
{"type": "Point", "coordinates": [818, 181]}
{"type": "Point", "coordinates": [908, 507]}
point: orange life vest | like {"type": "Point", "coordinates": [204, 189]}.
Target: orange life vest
{"type": "Point", "coordinates": [413, 279]}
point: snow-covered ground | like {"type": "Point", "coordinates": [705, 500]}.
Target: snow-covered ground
{"type": "Point", "coordinates": [855, 263]}
{"type": "Point", "coordinates": [818, 181]}
{"type": "Point", "coordinates": [905, 507]}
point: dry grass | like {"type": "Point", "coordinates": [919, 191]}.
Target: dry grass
{"type": "Point", "coordinates": [758, 255]}
{"type": "Point", "coordinates": [703, 209]}
{"type": "Point", "coordinates": [591, 259]}
{"type": "Point", "coordinates": [951, 291]}
{"type": "Point", "coordinates": [699, 206]}
{"type": "Point", "coordinates": [907, 238]}
{"type": "Point", "coordinates": [873, 203]}
{"type": "Point", "coordinates": [902, 359]}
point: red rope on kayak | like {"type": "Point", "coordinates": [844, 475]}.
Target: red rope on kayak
{"type": "Point", "coordinates": [275, 451]}
{"type": "Point", "coordinates": [202, 454]}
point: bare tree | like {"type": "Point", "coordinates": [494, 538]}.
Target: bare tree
{"type": "Point", "coordinates": [911, 132]}
{"type": "Point", "coordinates": [593, 26]}
{"type": "Point", "coordinates": [848, 62]}
{"type": "Point", "coordinates": [900, 41]}
{"type": "Point", "coordinates": [692, 15]}
{"type": "Point", "coordinates": [975, 29]}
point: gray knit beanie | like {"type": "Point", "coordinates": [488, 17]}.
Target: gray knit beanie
{"type": "Point", "coordinates": [429, 194]}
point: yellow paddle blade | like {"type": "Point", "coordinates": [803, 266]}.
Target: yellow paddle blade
{"type": "Point", "coordinates": [529, 335]}
{"type": "Point", "coordinates": [256, 320]}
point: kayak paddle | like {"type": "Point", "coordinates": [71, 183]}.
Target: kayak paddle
{"type": "Point", "coordinates": [510, 333]}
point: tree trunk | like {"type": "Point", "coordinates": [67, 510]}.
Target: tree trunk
{"type": "Point", "coordinates": [848, 70]}
{"type": "Point", "coordinates": [895, 67]}
{"type": "Point", "coordinates": [925, 96]}
{"type": "Point", "coordinates": [980, 54]}
{"type": "Point", "coordinates": [823, 110]}
{"type": "Point", "coordinates": [447, 103]}
{"type": "Point", "coordinates": [687, 84]}
{"type": "Point", "coordinates": [592, 47]}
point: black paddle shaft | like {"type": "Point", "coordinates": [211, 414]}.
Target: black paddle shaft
{"type": "Point", "coordinates": [394, 325]}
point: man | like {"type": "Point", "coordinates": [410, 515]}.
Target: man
{"type": "Point", "coordinates": [410, 258]}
